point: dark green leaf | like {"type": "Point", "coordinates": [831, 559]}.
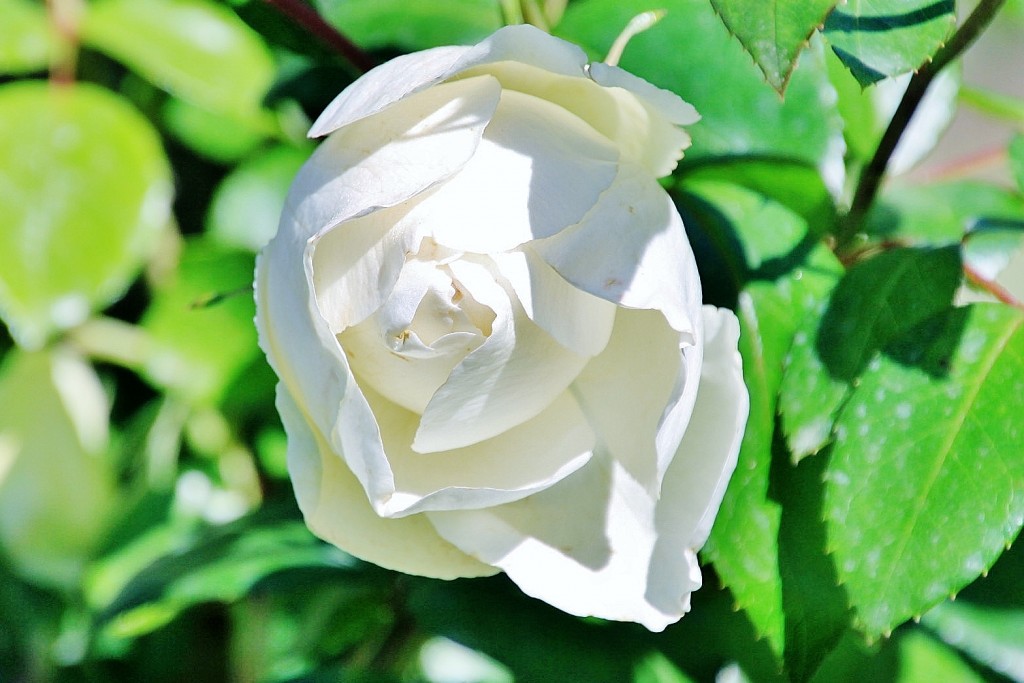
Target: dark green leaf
{"type": "Point", "coordinates": [691, 53]}
{"type": "Point", "coordinates": [876, 301]}
{"type": "Point", "coordinates": [196, 49]}
{"type": "Point", "coordinates": [412, 24]}
{"type": "Point", "coordinates": [84, 191]}
{"type": "Point", "coordinates": [881, 38]}
{"type": "Point", "coordinates": [914, 509]}
{"type": "Point", "coordinates": [773, 31]}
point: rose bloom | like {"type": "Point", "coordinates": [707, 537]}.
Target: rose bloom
{"type": "Point", "coordinates": [487, 324]}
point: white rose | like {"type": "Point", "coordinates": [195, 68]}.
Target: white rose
{"type": "Point", "coordinates": [487, 323]}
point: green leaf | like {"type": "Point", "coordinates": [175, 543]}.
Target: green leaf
{"type": "Point", "coordinates": [201, 323]}
{"type": "Point", "coordinates": [26, 40]}
{"type": "Point", "coordinates": [223, 565]}
{"type": "Point", "coordinates": [412, 24]}
{"type": "Point", "coordinates": [993, 257]}
{"type": "Point", "coordinates": [924, 660]}
{"type": "Point", "coordinates": [773, 32]}
{"type": "Point", "coordinates": [923, 490]}
{"type": "Point", "coordinates": [195, 49]}
{"type": "Point", "coordinates": [784, 275]}
{"type": "Point", "coordinates": [992, 636]}
{"type": "Point", "coordinates": [876, 301]}
{"type": "Point", "coordinates": [247, 204]}
{"type": "Point", "coordinates": [220, 137]}
{"type": "Point", "coordinates": [692, 54]}
{"type": "Point", "coordinates": [85, 189]}
{"type": "Point", "coordinates": [877, 39]}
{"type": "Point", "coordinates": [56, 486]}
{"type": "Point", "coordinates": [940, 213]}
{"type": "Point", "coordinates": [1016, 154]}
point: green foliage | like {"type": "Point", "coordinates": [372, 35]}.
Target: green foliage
{"type": "Point", "coordinates": [773, 32]}
{"type": "Point", "coordinates": [147, 526]}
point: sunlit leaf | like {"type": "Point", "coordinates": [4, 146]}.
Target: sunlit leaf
{"type": "Point", "coordinates": [876, 301]}
{"type": "Point", "coordinates": [774, 32]}
{"type": "Point", "coordinates": [56, 486]}
{"type": "Point", "coordinates": [201, 323]}
{"type": "Point", "coordinates": [196, 49]}
{"type": "Point", "coordinates": [26, 41]}
{"type": "Point", "coordinates": [247, 204]}
{"type": "Point", "coordinates": [923, 488]}
{"type": "Point", "coordinates": [992, 636]}
{"type": "Point", "coordinates": [881, 38]}
{"type": "Point", "coordinates": [84, 191]}
{"type": "Point", "coordinates": [924, 660]}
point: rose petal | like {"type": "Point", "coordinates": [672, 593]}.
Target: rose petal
{"type": "Point", "coordinates": [386, 84]}
{"type": "Point", "coordinates": [510, 378]}
{"type": "Point", "coordinates": [512, 465]}
{"type": "Point", "coordinates": [336, 509]}
{"type": "Point", "coordinates": [697, 478]}
{"type": "Point", "coordinates": [582, 545]}
{"type": "Point", "coordinates": [644, 259]}
{"type": "Point", "coordinates": [639, 393]}
{"type": "Point", "coordinates": [538, 169]}
{"type": "Point", "coordinates": [575, 319]}
{"type": "Point", "coordinates": [615, 552]}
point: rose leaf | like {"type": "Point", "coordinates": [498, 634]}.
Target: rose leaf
{"type": "Point", "coordinates": [923, 487]}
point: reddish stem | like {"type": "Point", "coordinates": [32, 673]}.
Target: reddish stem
{"type": "Point", "coordinates": [308, 18]}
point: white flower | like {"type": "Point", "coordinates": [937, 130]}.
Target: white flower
{"type": "Point", "coordinates": [487, 323]}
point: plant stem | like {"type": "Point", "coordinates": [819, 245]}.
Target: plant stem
{"type": "Point", "coordinates": [65, 17]}
{"type": "Point", "coordinates": [872, 174]}
{"type": "Point", "coordinates": [309, 19]}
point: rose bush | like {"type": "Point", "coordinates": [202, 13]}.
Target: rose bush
{"type": "Point", "coordinates": [487, 324]}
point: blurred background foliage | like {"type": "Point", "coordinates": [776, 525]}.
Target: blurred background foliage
{"type": "Point", "coordinates": [147, 526]}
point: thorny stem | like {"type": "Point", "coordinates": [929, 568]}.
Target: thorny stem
{"type": "Point", "coordinates": [309, 19]}
{"type": "Point", "coordinates": [871, 175]}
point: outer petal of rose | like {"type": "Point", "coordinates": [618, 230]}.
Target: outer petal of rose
{"type": "Point", "coordinates": [577, 320]}
{"type": "Point", "coordinates": [395, 80]}
{"type": "Point", "coordinates": [582, 545]}
{"type": "Point", "coordinates": [639, 393]}
{"type": "Point", "coordinates": [336, 509]}
{"type": "Point", "coordinates": [697, 478]}
{"type": "Point", "coordinates": [650, 265]}
{"type": "Point", "coordinates": [510, 378]}
{"type": "Point", "coordinates": [538, 170]}
{"type": "Point", "coordinates": [616, 552]}
{"type": "Point", "coordinates": [523, 460]}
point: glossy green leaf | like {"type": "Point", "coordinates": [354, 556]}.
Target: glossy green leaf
{"type": "Point", "coordinates": [196, 49]}
{"type": "Point", "coordinates": [84, 191]}
{"type": "Point", "coordinates": [940, 213]}
{"type": "Point", "coordinates": [773, 32]}
{"type": "Point", "coordinates": [925, 660]}
{"type": "Point", "coordinates": [783, 275]}
{"type": "Point", "coordinates": [56, 486]}
{"type": "Point", "coordinates": [992, 636]}
{"type": "Point", "coordinates": [201, 323]}
{"type": "Point", "coordinates": [691, 53]}
{"type": "Point", "coordinates": [877, 39]}
{"type": "Point", "coordinates": [26, 41]}
{"type": "Point", "coordinates": [412, 24]}
{"type": "Point", "coordinates": [876, 301]}
{"type": "Point", "coordinates": [247, 204]}
{"type": "Point", "coordinates": [914, 509]}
